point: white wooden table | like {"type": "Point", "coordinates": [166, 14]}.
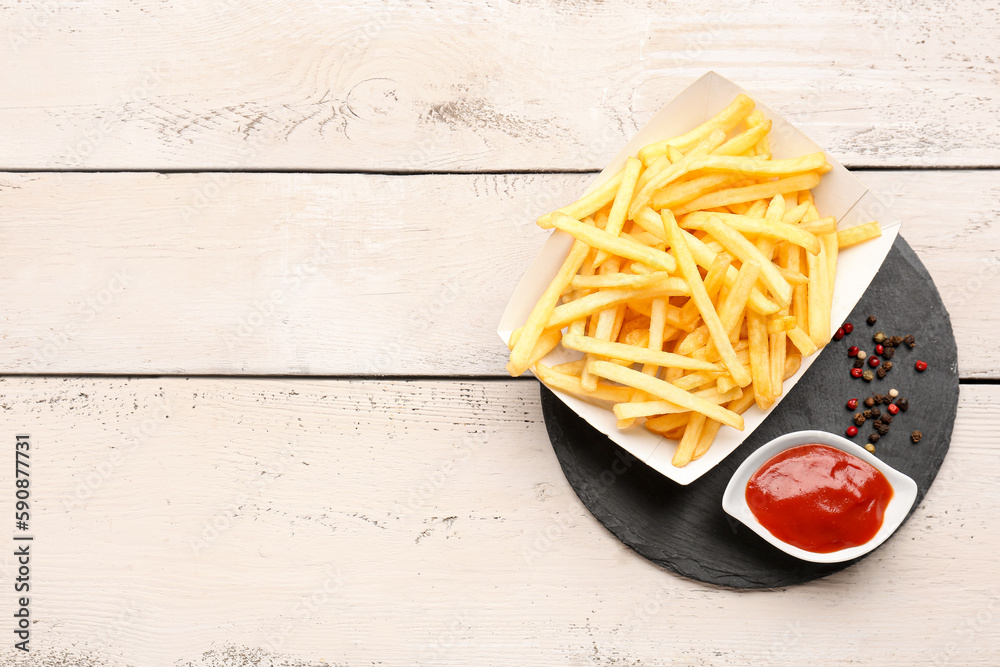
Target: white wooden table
{"type": "Point", "coordinates": [254, 255]}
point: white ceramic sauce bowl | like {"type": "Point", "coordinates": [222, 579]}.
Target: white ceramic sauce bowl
{"type": "Point", "coordinates": [734, 500]}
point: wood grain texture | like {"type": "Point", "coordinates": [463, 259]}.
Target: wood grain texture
{"type": "Point", "coordinates": [354, 274]}
{"type": "Point", "coordinates": [222, 523]}
{"type": "Point", "coordinates": [412, 86]}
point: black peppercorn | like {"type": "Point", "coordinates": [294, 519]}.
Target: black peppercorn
{"type": "Point", "coordinates": [876, 413]}
{"type": "Point", "coordinates": [870, 401]}
{"type": "Point", "coordinates": [867, 414]}
{"type": "Point", "coordinates": [887, 399]}
{"type": "Point", "coordinates": [859, 363]}
{"type": "Point", "coordinates": [888, 367]}
{"type": "Point", "coordinates": [871, 320]}
{"type": "Point", "coordinates": [894, 341]}
{"type": "Point", "coordinates": [916, 436]}
{"type": "Point", "coordinates": [873, 438]}
{"type": "Point", "coordinates": [881, 372]}
{"type": "Point", "coordinates": [886, 419]}
{"type": "Point", "coordinates": [910, 341]}
{"type": "Point", "coordinates": [882, 428]}
{"type": "Point", "coordinates": [903, 404]}
{"type": "Point", "coordinates": [889, 353]}
{"type": "Point", "coordinates": [859, 419]}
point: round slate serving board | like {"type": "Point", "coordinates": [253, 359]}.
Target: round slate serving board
{"type": "Point", "coordinates": [684, 529]}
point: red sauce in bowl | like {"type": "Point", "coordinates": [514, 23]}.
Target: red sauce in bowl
{"type": "Point", "coordinates": [819, 498]}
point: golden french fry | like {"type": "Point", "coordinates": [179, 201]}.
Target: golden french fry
{"type": "Point", "coordinates": [667, 423]}
{"type": "Point", "coordinates": [615, 245]}
{"type": "Point", "coordinates": [689, 441]}
{"type": "Point", "coordinates": [637, 409]}
{"type": "Point", "coordinates": [589, 203]}
{"type": "Point", "coordinates": [817, 226]}
{"type": "Point", "coordinates": [689, 270]}
{"type": "Point", "coordinates": [635, 354]}
{"type": "Point", "coordinates": [744, 141]}
{"type": "Point", "coordinates": [571, 385]}
{"type": "Point", "coordinates": [747, 225]}
{"type": "Point", "coordinates": [855, 235]}
{"type": "Point", "coordinates": [627, 280]}
{"type": "Point", "coordinates": [623, 197]}
{"type": "Point", "coordinates": [666, 391]}
{"type": "Point", "coordinates": [760, 366]}
{"type": "Point", "coordinates": [780, 324]}
{"type": "Point", "coordinates": [802, 341]}
{"type": "Point", "coordinates": [750, 192]}
{"type": "Point", "coordinates": [738, 245]}
{"type": "Point", "coordinates": [681, 192]}
{"type": "Point", "coordinates": [748, 166]}
{"type": "Point", "coordinates": [520, 355]}
{"type": "Point", "coordinates": [565, 313]}
{"type": "Point", "coordinates": [817, 293]}
{"type": "Point", "coordinates": [724, 120]}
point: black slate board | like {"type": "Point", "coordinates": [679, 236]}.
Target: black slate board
{"type": "Point", "coordinates": [684, 529]}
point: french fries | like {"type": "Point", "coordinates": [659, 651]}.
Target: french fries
{"type": "Point", "coordinates": [699, 277]}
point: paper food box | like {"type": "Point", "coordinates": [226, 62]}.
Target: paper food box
{"type": "Point", "coordinates": [839, 194]}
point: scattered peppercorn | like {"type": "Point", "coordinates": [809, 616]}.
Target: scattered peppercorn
{"type": "Point", "coordinates": [852, 431]}
{"type": "Point", "coordinates": [873, 438]}
{"type": "Point", "coordinates": [916, 436]}
{"type": "Point", "coordinates": [879, 349]}
{"type": "Point", "coordinates": [868, 376]}
{"type": "Point", "coordinates": [852, 351]}
{"type": "Point", "coordinates": [838, 334]}
{"type": "Point", "coordinates": [852, 404]}
{"type": "Point", "coordinates": [882, 428]}
{"type": "Point", "coordinates": [848, 327]}
{"type": "Point", "coordinates": [910, 341]}
{"type": "Point", "coordinates": [886, 399]}
{"type": "Point", "coordinates": [873, 361]}
{"type": "Point", "coordinates": [870, 447]}
{"type": "Point", "coordinates": [895, 341]}
{"type": "Point", "coordinates": [886, 419]}
{"type": "Point", "coordinates": [903, 404]}
{"type": "Point", "coordinates": [889, 353]}
{"type": "Point", "coordinates": [888, 366]}
{"type": "Point", "coordinates": [871, 320]}
{"type": "Point", "coordinates": [881, 372]}
{"type": "Point", "coordinates": [862, 354]}
{"type": "Point", "coordinates": [856, 372]}
{"type": "Point", "coordinates": [859, 419]}
{"type": "Point", "coordinates": [870, 401]}
{"type": "Point", "coordinates": [867, 414]}
{"type": "Point", "coordinates": [893, 393]}
{"type": "Point", "coordinates": [877, 398]}
{"type": "Point", "coordinates": [858, 363]}
{"type": "Point", "coordinates": [876, 413]}
{"type": "Point", "coordinates": [879, 337]}
{"type": "Point", "coordinates": [921, 366]}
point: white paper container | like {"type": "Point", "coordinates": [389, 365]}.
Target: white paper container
{"type": "Point", "coordinates": [839, 194]}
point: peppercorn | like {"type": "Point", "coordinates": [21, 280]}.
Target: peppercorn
{"type": "Point", "coordinates": [893, 393]}
{"type": "Point", "coordinates": [887, 365]}
{"type": "Point", "coordinates": [881, 372]}
{"type": "Point", "coordinates": [877, 423]}
{"type": "Point", "coordinates": [893, 409]}
{"type": "Point", "coordinates": [870, 447]}
{"type": "Point", "coordinates": [873, 361]}
{"type": "Point", "coordinates": [852, 431]}
{"type": "Point", "coordinates": [879, 349]}
{"type": "Point", "coordinates": [903, 404]}
{"type": "Point", "coordinates": [876, 413]}
{"type": "Point", "coordinates": [910, 341]}
{"type": "Point", "coordinates": [886, 399]}
{"type": "Point", "coordinates": [879, 337]}
{"type": "Point", "coordinates": [921, 366]}
{"type": "Point", "coordinates": [859, 419]}
{"type": "Point", "coordinates": [848, 327]}
{"type": "Point", "coordinates": [852, 351]}
{"type": "Point", "coordinates": [871, 320]}
{"type": "Point", "coordinates": [870, 401]}
{"type": "Point", "coordinates": [889, 353]}
{"type": "Point", "coordinates": [873, 438]}
{"type": "Point", "coordinates": [896, 341]}
{"type": "Point", "coordinates": [883, 428]}
{"type": "Point", "coordinates": [862, 354]}
{"type": "Point", "coordinates": [916, 436]}
{"type": "Point", "coordinates": [838, 334]}
{"type": "Point", "coordinates": [886, 419]}
{"type": "Point", "coordinates": [852, 404]}
{"type": "Point", "coordinates": [856, 372]}
{"type": "Point", "coordinates": [858, 363]}
{"type": "Point", "coordinates": [868, 376]}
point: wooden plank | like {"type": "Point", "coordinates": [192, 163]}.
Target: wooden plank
{"type": "Point", "coordinates": [353, 274]}
{"type": "Point", "coordinates": [480, 86]}
{"type": "Point", "coordinates": [221, 522]}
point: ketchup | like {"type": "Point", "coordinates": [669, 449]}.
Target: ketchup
{"type": "Point", "coordinates": [819, 498]}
